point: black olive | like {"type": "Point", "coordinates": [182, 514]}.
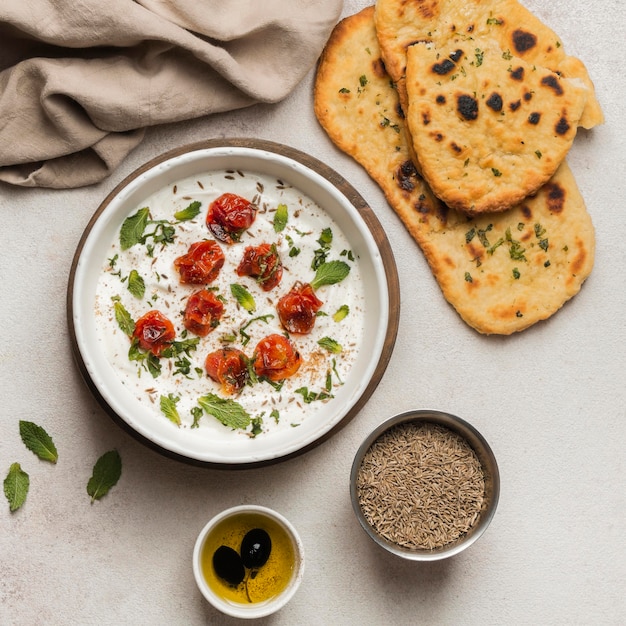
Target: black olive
{"type": "Point", "coordinates": [255, 548]}
{"type": "Point", "coordinates": [228, 566]}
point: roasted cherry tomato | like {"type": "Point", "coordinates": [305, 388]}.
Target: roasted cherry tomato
{"type": "Point", "coordinates": [263, 263]}
{"type": "Point", "coordinates": [275, 358]}
{"type": "Point", "coordinates": [203, 312]}
{"type": "Point", "coordinates": [298, 307]}
{"type": "Point", "coordinates": [154, 332]}
{"type": "Point", "coordinates": [229, 216]}
{"type": "Point", "coordinates": [201, 264]}
{"type": "Point", "coordinates": [229, 368]}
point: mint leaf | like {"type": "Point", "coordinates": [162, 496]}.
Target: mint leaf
{"type": "Point", "coordinates": [243, 297]}
{"type": "Point", "coordinates": [16, 486]}
{"type": "Point", "coordinates": [227, 411]}
{"type": "Point", "coordinates": [330, 344]}
{"type": "Point", "coordinates": [38, 441]}
{"type": "Point", "coordinates": [133, 228]}
{"type": "Point", "coordinates": [330, 273]}
{"type": "Point", "coordinates": [341, 313]}
{"type": "Point", "coordinates": [280, 218]}
{"type": "Point", "coordinates": [168, 408]}
{"type": "Point", "coordinates": [106, 473]}
{"type": "Point", "coordinates": [123, 318]}
{"type": "Point", "coordinates": [136, 284]}
{"type": "Point", "coordinates": [188, 213]}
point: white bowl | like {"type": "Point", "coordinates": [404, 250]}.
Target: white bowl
{"type": "Point", "coordinates": [249, 610]}
{"type": "Point", "coordinates": [220, 446]}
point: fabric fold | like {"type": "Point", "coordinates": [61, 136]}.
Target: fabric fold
{"type": "Point", "coordinates": [80, 81]}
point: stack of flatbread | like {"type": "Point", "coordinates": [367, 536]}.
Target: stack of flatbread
{"type": "Point", "coordinates": [463, 111]}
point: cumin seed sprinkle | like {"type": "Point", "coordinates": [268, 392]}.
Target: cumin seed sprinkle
{"type": "Point", "coordinates": [421, 486]}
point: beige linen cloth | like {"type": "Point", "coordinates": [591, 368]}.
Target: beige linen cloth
{"type": "Point", "coordinates": [80, 80]}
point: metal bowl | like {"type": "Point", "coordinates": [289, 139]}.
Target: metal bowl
{"type": "Point", "coordinates": [491, 481]}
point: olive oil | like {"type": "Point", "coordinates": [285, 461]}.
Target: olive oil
{"type": "Point", "coordinates": [262, 583]}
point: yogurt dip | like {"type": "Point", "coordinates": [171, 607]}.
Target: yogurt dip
{"type": "Point", "coordinates": [328, 352]}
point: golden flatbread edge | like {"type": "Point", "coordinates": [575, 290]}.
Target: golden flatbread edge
{"type": "Point", "coordinates": [502, 273]}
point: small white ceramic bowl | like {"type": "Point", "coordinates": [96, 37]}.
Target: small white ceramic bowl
{"type": "Point", "coordinates": [225, 529]}
{"type": "Point", "coordinates": [489, 470]}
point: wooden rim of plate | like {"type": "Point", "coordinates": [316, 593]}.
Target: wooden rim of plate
{"type": "Point", "coordinates": [365, 212]}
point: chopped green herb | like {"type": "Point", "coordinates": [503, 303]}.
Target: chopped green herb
{"type": "Point", "coordinates": [133, 228]}
{"type": "Point", "coordinates": [495, 246]}
{"type": "Point", "coordinates": [496, 172]}
{"type": "Point", "coordinates": [468, 277]}
{"type": "Point", "coordinates": [319, 255]}
{"type": "Point", "coordinates": [516, 273]}
{"type": "Point", "coordinates": [479, 56]}
{"type": "Point", "coordinates": [538, 154]}
{"type": "Point", "coordinates": [312, 396]}
{"type": "Point", "coordinates": [344, 90]}
{"type": "Point", "coordinates": [256, 424]}
{"type": "Point", "coordinates": [242, 331]}
{"type": "Point", "coordinates": [516, 252]}
{"type": "Point", "coordinates": [363, 80]}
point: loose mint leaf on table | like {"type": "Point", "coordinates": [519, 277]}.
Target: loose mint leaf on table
{"type": "Point", "coordinates": [227, 411]}
{"type": "Point", "coordinates": [188, 213]}
{"type": "Point", "coordinates": [16, 486]}
{"type": "Point", "coordinates": [106, 473]}
{"type": "Point", "coordinates": [330, 273]}
{"type": "Point", "coordinates": [133, 228]}
{"type": "Point", "coordinates": [37, 440]}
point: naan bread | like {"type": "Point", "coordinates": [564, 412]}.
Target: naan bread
{"type": "Point", "coordinates": [502, 272]}
{"type": "Point", "coordinates": [488, 129]}
{"type": "Point", "coordinates": [401, 23]}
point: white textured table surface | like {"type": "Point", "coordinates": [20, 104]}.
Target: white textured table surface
{"type": "Point", "coordinates": [551, 401]}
